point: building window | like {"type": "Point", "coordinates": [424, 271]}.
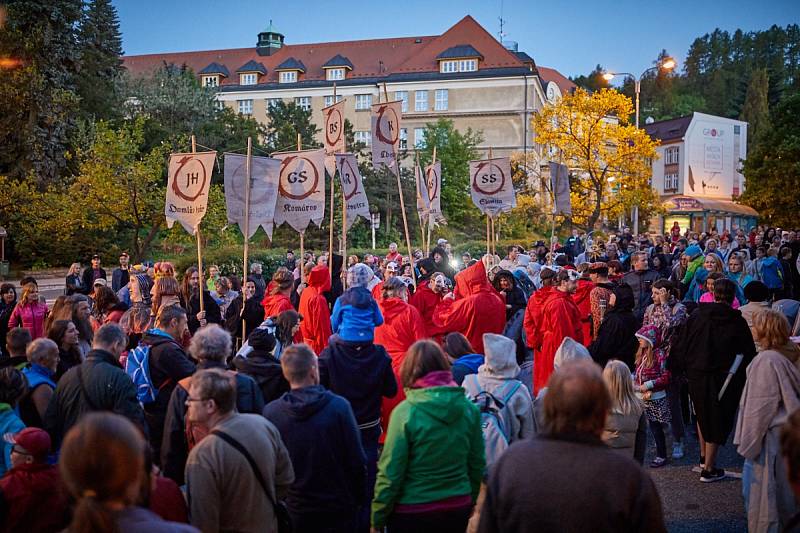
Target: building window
{"type": "Point", "coordinates": [248, 79]}
{"type": "Point", "coordinates": [303, 102]}
{"type": "Point", "coordinates": [671, 182]}
{"type": "Point", "coordinates": [245, 107]}
{"type": "Point", "coordinates": [440, 103]}
{"type": "Point", "coordinates": [219, 105]}
{"type": "Point", "coordinates": [737, 130]}
{"type": "Point", "coordinates": [363, 101]}
{"type": "Point", "coordinates": [459, 65]}
{"type": "Point", "coordinates": [335, 73]}
{"type": "Point", "coordinates": [329, 99]}
{"type": "Point", "coordinates": [672, 155]}
{"type": "Point", "coordinates": [210, 81]}
{"type": "Point", "coordinates": [403, 97]}
{"type": "Point", "coordinates": [362, 137]}
{"type": "Point", "coordinates": [420, 100]}
{"type": "Point", "coordinates": [419, 137]}
{"type": "Point", "coordinates": [288, 76]}
{"type": "Point", "coordinates": [272, 102]}
{"type": "Point", "coordinates": [403, 139]}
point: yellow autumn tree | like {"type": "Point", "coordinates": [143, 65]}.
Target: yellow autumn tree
{"type": "Point", "coordinates": [608, 157]}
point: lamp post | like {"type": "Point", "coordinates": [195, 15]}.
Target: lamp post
{"type": "Point", "coordinates": [666, 64]}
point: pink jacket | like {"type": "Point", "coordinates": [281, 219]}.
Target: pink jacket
{"type": "Point", "coordinates": [31, 317]}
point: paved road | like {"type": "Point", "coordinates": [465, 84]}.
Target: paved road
{"type": "Point", "coordinates": [691, 506]}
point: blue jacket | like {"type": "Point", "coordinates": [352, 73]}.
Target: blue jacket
{"type": "Point", "coordinates": [356, 315]}
{"type": "Point", "coordinates": [37, 375]}
{"type": "Point", "coordinates": [465, 365]}
{"type": "Point", "coordinates": [331, 477]}
{"type": "Point", "coordinates": [9, 423]}
{"type": "Point", "coordinates": [772, 273]}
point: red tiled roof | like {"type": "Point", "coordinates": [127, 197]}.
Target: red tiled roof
{"type": "Point", "coordinates": [564, 83]}
{"type": "Point", "coordinates": [370, 58]}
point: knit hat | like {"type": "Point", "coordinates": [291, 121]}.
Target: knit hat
{"type": "Point", "coordinates": [501, 356]}
{"type": "Point", "coordinates": [359, 275]}
{"type": "Point", "coordinates": [649, 334]}
{"type": "Point", "coordinates": [261, 339]}
{"type": "Point", "coordinates": [693, 251]}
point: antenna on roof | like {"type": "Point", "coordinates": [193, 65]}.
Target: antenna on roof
{"type": "Point", "coordinates": [502, 34]}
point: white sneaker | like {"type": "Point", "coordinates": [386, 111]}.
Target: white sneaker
{"type": "Point", "coordinates": [677, 450]}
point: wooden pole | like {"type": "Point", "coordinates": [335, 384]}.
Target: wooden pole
{"type": "Point", "coordinates": [302, 257]}
{"type": "Point", "coordinates": [246, 251]}
{"type": "Point", "coordinates": [385, 92]}
{"type": "Point", "coordinates": [344, 240]}
{"type": "Point", "coordinates": [430, 226]}
{"type": "Point", "coordinates": [405, 223]}
{"type": "Point", "coordinates": [199, 247]}
{"type": "Point", "coordinates": [488, 242]}
{"type": "Point", "coordinates": [330, 231]}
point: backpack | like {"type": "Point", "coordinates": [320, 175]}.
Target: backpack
{"type": "Point", "coordinates": [137, 366]}
{"type": "Point", "coordinates": [494, 415]}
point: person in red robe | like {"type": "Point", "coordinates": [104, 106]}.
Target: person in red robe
{"type": "Point", "coordinates": [429, 292]}
{"type": "Point", "coordinates": [278, 297]}
{"type": "Point", "coordinates": [584, 303]}
{"type": "Point", "coordinates": [560, 318]}
{"type": "Point", "coordinates": [480, 309]}
{"type": "Point", "coordinates": [402, 326]}
{"type": "Point", "coordinates": [532, 322]}
{"type": "Point", "coordinates": [316, 324]}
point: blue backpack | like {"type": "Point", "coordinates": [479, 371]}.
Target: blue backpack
{"type": "Point", "coordinates": [137, 367]}
{"type": "Point", "coordinates": [494, 415]}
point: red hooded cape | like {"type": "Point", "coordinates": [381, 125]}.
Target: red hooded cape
{"type": "Point", "coordinates": [316, 324]}
{"type": "Point", "coordinates": [425, 301]}
{"type": "Point", "coordinates": [582, 300]}
{"type": "Point", "coordinates": [560, 318]}
{"type": "Point", "coordinates": [533, 317]}
{"type": "Point", "coordinates": [480, 310]}
{"type": "Point", "coordinates": [275, 304]}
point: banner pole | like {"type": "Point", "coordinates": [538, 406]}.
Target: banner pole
{"type": "Point", "coordinates": [246, 251]}
{"type": "Point", "coordinates": [430, 216]}
{"type": "Point", "coordinates": [418, 173]}
{"type": "Point", "coordinates": [488, 244]}
{"type": "Point", "coordinates": [344, 240]}
{"type": "Point", "coordinates": [199, 248]}
{"type": "Point", "coordinates": [405, 220]}
{"type": "Point", "coordinates": [330, 231]}
{"type": "Point", "coordinates": [302, 257]}
{"type": "Point", "coordinates": [385, 92]}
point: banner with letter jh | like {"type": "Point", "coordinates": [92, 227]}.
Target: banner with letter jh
{"type": "Point", "coordinates": [188, 181]}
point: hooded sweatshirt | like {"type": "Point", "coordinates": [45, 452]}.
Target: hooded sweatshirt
{"type": "Point", "coordinates": [316, 324]}
{"type": "Point", "coordinates": [329, 478]}
{"type": "Point", "coordinates": [356, 315]}
{"type": "Point", "coordinates": [480, 309]}
{"type": "Point", "coordinates": [772, 273]}
{"type": "Point", "coordinates": [616, 336]}
{"type": "Point", "coordinates": [434, 451]}
{"type": "Point", "coordinates": [496, 376]}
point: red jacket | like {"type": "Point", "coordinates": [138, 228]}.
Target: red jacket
{"type": "Point", "coordinates": [377, 292]}
{"type": "Point", "coordinates": [560, 318]}
{"type": "Point", "coordinates": [480, 311]}
{"type": "Point", "coordinates": [533, 317]}
{"type": "Point", "coordinates": [34, 498]}
{"type": "Point", "coordinates": [316, 324]}
{"type": "Point", "coordinates": [425, 301]}
{"type": "Point", "coordinates": [584, 303]}
{"type": "Point", "coordinates": [275, 304]}
{"type": "Point", "coordinates": [30, 317]}
{"type": "Point", "coordinates": [402, 327]}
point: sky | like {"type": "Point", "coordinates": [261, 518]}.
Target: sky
{"type": "Point", "coordinates": [571, 36]}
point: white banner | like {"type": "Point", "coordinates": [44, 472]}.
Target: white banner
{"type": "Point", "coordinates": [263, 191]}
{"type": "Point", "coordinates": [386, 134]}
{"type": "Point", "coordinates": [559, 184]}
{"type": "Point", "coordinates": [188, 180]}
{"type": "Point", "coordinates": [432, 189]}
{"type": "Point", "coordinates": [491, 187]}
{"type": "Point", "coordinates": [352, 188]}
{"type": "Point", "coordinates": [423, 203]}
{"type": "Point", "coordinates": [334, 134]}
{"type": "Point", "coordinates": [301, 188]}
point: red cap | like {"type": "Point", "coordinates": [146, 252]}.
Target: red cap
{"type": "Point", "coordinates": [35, 441]}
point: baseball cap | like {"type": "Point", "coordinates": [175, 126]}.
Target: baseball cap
{"type": "Point", "coordinates": [391, 265]}
{"type": "Point", "coordinates": [100, 281]}
{"type": "Point", "coordinates": [441, 242]}
{"type": "Point", "coordinates": [35, 441]}
{"type": "Point", "coordinates": [95, 256]}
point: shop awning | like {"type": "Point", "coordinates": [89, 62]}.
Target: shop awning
{"type": "Point", "coordinates": [687, 204]}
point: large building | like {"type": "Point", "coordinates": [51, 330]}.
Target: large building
{"type": "Point", "coordinates": [464, 74]}
{"type": "Point", "coordinates": [699, 172]}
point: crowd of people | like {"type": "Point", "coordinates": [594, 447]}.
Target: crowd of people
{"type": "Point", "coordinates": [423, 393]}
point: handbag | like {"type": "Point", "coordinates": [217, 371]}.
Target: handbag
{"type": "Point", "coordinates": [281, 512]}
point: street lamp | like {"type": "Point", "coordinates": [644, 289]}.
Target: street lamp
{"type": "Point", "coordinates": [666, 63]}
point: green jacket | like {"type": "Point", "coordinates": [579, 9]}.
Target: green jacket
{"type": "Point", "coordinates": [434, 450]}
{"type": "Point", "coordinates": [692, 267]}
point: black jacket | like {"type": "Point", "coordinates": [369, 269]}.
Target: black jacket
{"type": "Point", "coordinates": [88, 279]}
{"type": "Point", "coordinates": [73, 285]}
{"type": "Point", "coordinates": [5, 314]}
{"type": "Point", "coordinates": [362, 373]}
{"type": "Point", "coordinates": [331, 477]}
{"type": "Point", "coordinates": [98, 384]}
{"type": "Point", "coordinates": [266, 370]}
{"type": "Point", "coordinates": [515, 296]}
{"type": "Point", "coordinates": [174, 448]}
{"type": "Point", "coordinates": [616, 338]}
{"type": "Point", "coordinates": [119, 278]}
{"type": "Point", "coordinates": [213, 315]}
{"type": "Point", "coordinates": [253, 315]}
{"type": "Point", "coordinates": [642, 284]}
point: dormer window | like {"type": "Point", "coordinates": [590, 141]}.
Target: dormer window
{"type": "Point", "coordinates": [211, 81]}
{"type": "Point", "coordinates": [211, 75]}
{"type": "Point", "coordinates": [251, 78]}
{"type": "Point", "coordinates": [249, 72]}
{"type": "Point", "coordinates": [288, 76]}
{"type": "Point", "coordinates": [460, 58]}
{"type": "Point", "coordinates": [335, 74]}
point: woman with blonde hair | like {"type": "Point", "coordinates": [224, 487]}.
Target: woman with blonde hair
{"type": "Point", "coordinates": [625, 429]}
{"type": "Point", "coordinates": [106, 483]}
{"type": "Point", "coordinates": [711, 264]}
{"type": "Point", "coordinates": [29, 312]}
{"type": "Point", "coordinates": [73, 282]}
{"type": "Point", "coordinates": [771, 394]}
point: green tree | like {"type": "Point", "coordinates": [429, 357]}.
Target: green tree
{"type": "Point", "coordinates": [37, 100]}
{"type": "Point", "coordinates": [772, 169]}
{"type": "Point", "coordinates": [284, 122]}
{"type": "Point", "coordinates": [100, 44]}
{"type": "Point", "coordinates": [756, 106]}
{"type": "Point", "coordinates": [455, 150]}
{"type": "Point", "coordinates": [594, 81]}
